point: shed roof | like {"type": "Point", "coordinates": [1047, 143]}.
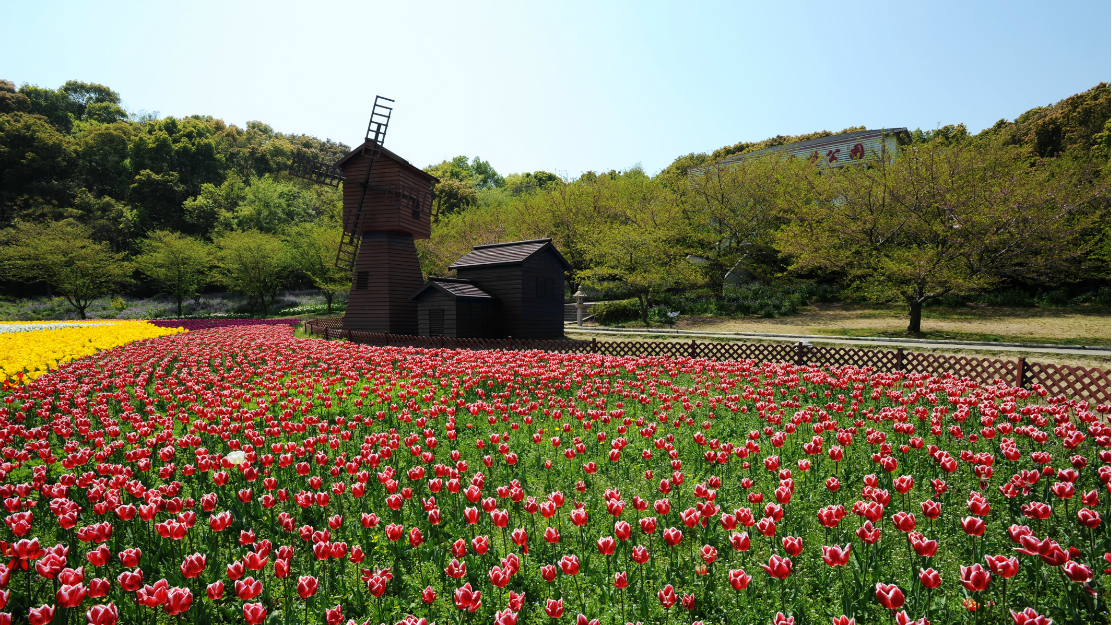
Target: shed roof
{"type": "Point", "coordinates": [513, 253]}
{"type": "Point", "coordinates": [456, 287]}
{"type": "Point", "coordinates": [388, 154]}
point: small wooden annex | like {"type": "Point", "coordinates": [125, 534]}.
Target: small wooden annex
{"type": "Point", "coordinates": [525, 280]}
{"type": "Point", "coordinates": [455, 308]}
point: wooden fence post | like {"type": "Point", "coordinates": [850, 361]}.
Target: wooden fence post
{"type": "Point", "coordinates": [326, 334]}
{"type": "Point", "coordinates": [799, 354]}
{"type": "Point", "coordinates": [594, 346]}
{"type": "Point", "coordinates": [1020, 371]}
{"type": "Point", "coordinates": [694, 348]}
{"type": "Point", "coordinates": [899, 359]}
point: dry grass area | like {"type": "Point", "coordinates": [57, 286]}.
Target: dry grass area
{"type": "Point", "coordinates": [975, 323]}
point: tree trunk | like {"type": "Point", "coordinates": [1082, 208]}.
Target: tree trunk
{"type": "Point", "coordinates": [328, 300]}
{"type": "Point", "coordinates": [180, 299]}
{"type": "Point", "coordinates": [916, 316]}
{"type": "Point", "coordinates": [644, 308]}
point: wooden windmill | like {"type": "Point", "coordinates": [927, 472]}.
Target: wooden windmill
{"type": "Point", "coordinates": [387, 205]}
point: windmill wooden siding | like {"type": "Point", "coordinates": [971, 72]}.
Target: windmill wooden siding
{"type": "Point", "coordinates": [388, 211]}
{"type": "Point", "coordinates": [389, 268]}
{"type": "Point", "coordinates": [396, 210]}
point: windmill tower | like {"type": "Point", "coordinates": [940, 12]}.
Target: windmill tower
{"type": "Point", "coordinates": [387, 205]}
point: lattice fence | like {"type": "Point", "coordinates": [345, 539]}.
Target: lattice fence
{"type": "Point", "coordinates": [1092, 385]}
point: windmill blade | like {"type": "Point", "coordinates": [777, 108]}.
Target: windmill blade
{"type": "Point", "coordinates": [316, 171]}
{"type": "Point", "coordinates": [348, 252]}
{"type": "Point", "coordinates": [380, 119]}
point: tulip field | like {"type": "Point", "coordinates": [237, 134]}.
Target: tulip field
{"type": "Point", "coordinates": [242, 475]}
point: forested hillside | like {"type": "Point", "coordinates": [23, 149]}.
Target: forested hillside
{"type": "Point", "coordinates": [1022, 205]}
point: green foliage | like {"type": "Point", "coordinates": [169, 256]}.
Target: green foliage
{"type": "Point", "coordinates": [945, 218]}
{"type": "Point", "coordinates": [177, 263]}
{"type": "Point", "coordinates": [268, 206]}
{"type": "Point", "coordinates": [477, 173]}
{"type": "Point", "coordinates": [35, 163]}
{"type": "Point", "coordinates": [253, 263]}
{"type": "Point", "coordinates": [312, 250]}
{"type": "Point", "coordinates": [101, 155]}
{"type": "Point", "coordinates": [11, 101]}
{"type": "Point", "coordinates": [185, 148]}
{"type": "Point", "coordinates": [641, 247]}
{"type": "Point", "coordinates": [203, 210]}
{"type": "Point", "coordinates": [63, 255]}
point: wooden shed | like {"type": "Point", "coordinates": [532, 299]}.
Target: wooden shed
{"type": "Point", "coordinates": [453, 307]}
{"type": "Point", "coordinates": [396, 210]}
{"type": "Point", "coordinates": [526, 280]}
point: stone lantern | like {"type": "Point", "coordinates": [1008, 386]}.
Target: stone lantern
{"type": "Point", "coordinates": [580, 306]}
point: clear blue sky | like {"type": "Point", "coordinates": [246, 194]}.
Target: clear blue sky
{"type": "Point", "coordinates": [567, 86]}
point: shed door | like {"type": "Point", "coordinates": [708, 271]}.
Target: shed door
{"type": "Point", "coordinates": [436, 322]}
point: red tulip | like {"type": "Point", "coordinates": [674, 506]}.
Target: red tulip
{"type": "Point", "coordinates": [890, 597]}
{"type": "Point", "coordinates": [467, 599]}
{"type": "Point", "coordinates": [973, 526]}
{"type": "Point", "coordinates": [639, 554]}
{"type": "Point", "coordinates": [843, 620]}
{"type": "Point", "coordinates": [193, 565]}
{"type": "Point", "coordinates": [739, 580]}
{"type": "Point", "coordinates": [709, 554]}
{"type": "Point", "coordinates": [923, 548]}
{"type": "Point", "coordinates": [1029, 617]}
{"type": "Point", "coordinates": [929, 578]}
{"type": "Point", "coordinates": [480, 544]}
{"type": "Point", "coordinates": [569, 564]}
{"type": "Point", "coordinates": [178, 601]}
{"type": "Point", "coordinates": [1003, 566]}
{"type": "Point", "coordinates": [868, 534]}
{"type": "Point", "coordinates": [836, 556]}
{"type": "Point", "coordinates": [554, 608]}
{"type": "Point", "coordinates": [605, 545]}
{"type": "Point", "coordinates": [131, 581]}
{"type": "Point", "coordinates": [778, 567]}
{"type": "Point", "coordinates": [254, 613]}
{"type": "Point", "coordinates": [215, 590]}
{"type": "Point", "coordinates": [41, 615]}
{"type": "Point", "coordinates": [70, 596]}
{"type": "Point", "coordinates": [903, 521]}
{"type": "Point", "coordinates": [306, 587]}
{"type": "Point", "coordinates": [667, 597]}
{"type": "Point", "coordinates": [98, 587]}
{"type": "Point", "coordinates": [620, 580]}
{"type": "Point", "coordinates": [102, 614]}
{"type": "Point", "coordinates": [428, 595]}
{"type": "Point", "coordinates": [548, 573]}
{"type": "Point", "coordinates": [1077, 572]}
{"type": "Point", "coordinates": [975, 578]}
{"type": "Point", "coordinates": [1088, 518]}
{"type": "Point", "coordinates": [793, 545]}
{"type": "Point", "coordinates": [334, 616]}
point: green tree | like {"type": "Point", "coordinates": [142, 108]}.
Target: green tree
{"type": "Point", "coordinates": [158, 200]}
{"type": "Point", "coordinates": [109, 219]}
{"type": "Point", "coordinates": [35, 164]}
{"type": "Point", "coordinates": [452, 196]}
{"type": "Point", "coordinates": [269, 206]}
{"type": "Point", "coordinates": [734, 212]}
{"type": "Point", "coordinates": [11, 101]}
{"type": "Point", "coordinates": [944, 219]}
{"type": "Point", "coordinates": [92, 102]}
{"type": "Point", "coordinates": [312, 249]}
{"type": "Point", "coordinates": [641, 247]}
{"type": "Point", "coordinates": [101, 156]}
{"type": "Point", "coordinates": [177, 263]}
{"type": "Point", "coordinates": [253, 263]}
{"type": "Point", "coordinates": [204, 210]}
{"type": "Point", "coordinates": [63, 255]}
{"type": "Point", "coordinates": [185, 147]}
